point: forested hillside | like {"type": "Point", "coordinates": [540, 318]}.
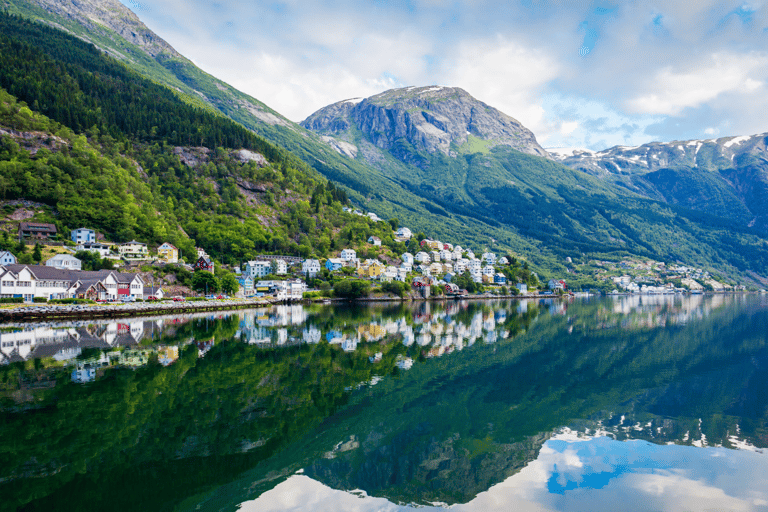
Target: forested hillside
{"type": "Point", "coordinates": [111, 150]}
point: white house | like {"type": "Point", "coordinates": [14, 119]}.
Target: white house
{"type": "Point", "coordinates": [489, 257]}
{"type": "Point", "coordinates": [474, 266]}
{"type": "Point", "coordinates": [522, 288]}
{"type": "Point", "coordinates": [404, 233]}
{"type": "Point", "coordinates": [374, 240]}
{"type": "Point", "coordinates": [280, 267]}
{"type": "Point", "coordinates": [407, 258]}
{"type": "Point", "coordinates": [310, 267]}
{"type": "Point", "coordinates": [101, 249]}
{"type": "Point", "coordinates": [446, 255]}
{"type": "Point", "coordinates": [488, 270]}
{"type": "Point", "coordinates": [348, 255]}
{"type": "Point", "coordinates": [422, 257]}
{"type": "Point", "coordinates": [83, 235]}
{"type": "Point", "coordinates": [6, 258]}
{"type": "Point", "coordinates": [65, 262]}
{"type": "Point", "coordinates": [133, 250]}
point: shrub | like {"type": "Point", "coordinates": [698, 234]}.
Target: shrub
{"type": "Point", "coordinates": [39, 299]}
{"type": "Point", "coordinates": [12, 300]}
{"type": "Point", "coordinates": [71, 301]}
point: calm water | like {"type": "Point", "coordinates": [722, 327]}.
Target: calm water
{"type": "Point", "coordinates": [641, 403]}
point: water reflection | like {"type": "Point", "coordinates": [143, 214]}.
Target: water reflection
{"type": "Point", "coordinates": [415, 404]}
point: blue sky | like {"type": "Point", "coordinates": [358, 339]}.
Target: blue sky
{"type": "Point", "coordinates": [584, 74]}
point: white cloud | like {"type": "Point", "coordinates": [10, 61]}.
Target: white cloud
{"type": "Point", "coordinates": [507, 75]}
{"type": "Point", "coordinates": [670, 91]}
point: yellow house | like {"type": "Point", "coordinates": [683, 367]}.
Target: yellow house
{"type": "Point", "coordinates": [372, 270]}
{"type": "Point", "coordinates": [168, 253]}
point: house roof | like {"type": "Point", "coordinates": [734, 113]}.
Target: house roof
{"type": "Point", "coordinates": [37, 226]}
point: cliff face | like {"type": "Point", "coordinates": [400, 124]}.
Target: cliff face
{"type": "Point", "coordinates": [429, 119]}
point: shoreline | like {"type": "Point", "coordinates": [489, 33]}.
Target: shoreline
{"type": "Point", "coordinates": [43, 312]}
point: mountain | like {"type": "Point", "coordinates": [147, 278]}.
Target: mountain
{"type": "Point", "coordinates": [442, 162]}
{"type": "Point", "coordinates": [429, 119]}
{"type": "Point", "coordinates": [477, 162]}
{"type": "Point", "coordinates": [726, 176]}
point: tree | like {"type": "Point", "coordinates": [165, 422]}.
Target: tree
{"type": "Point", "coordinates": [229, 284]}
{"type": "Point", "coordinates": [351, 288]}
{"type": "Point", "coordinates": [204, 281]}
{"type": "Point", "coordinates": [37, 254]}
{"type": "Point", "coordinates": [395, 223]}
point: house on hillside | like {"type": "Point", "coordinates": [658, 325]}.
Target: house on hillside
{"type": "Point", "coordinates": [168, 253]}
{"type": "Point", "coordinates": [348, 255]}
{"type": "Point", "coordinates": [259, 268]}
{"type": "Point", "coordinates": [555, 284]}
{"type": "Point", "coordinates": [204, 263]}
{"type": "Point", "coordinates": [499, 278]}
{"type": "Point", "coordinates": [83, 235]}
{"type": "Point", "coordinates": [101, 249]}
{"type": "Point", "coordinates": [36, 231]}
{"type": "Point", "coordinates": [374, 240]}
{"type": "Point", "coordinates": [133, 250]}
{"type": "Point", "coordinates": [6, 258]}
{"type": "Point", "coordinates": [310, 268]}
{"type": "Point", "coordinates": [404, 233]}
{"type": "Point", "coordinates": [407, 258]}
{"type": "Point", "coordinates": [333, 264]}
{"type": "Point", "coordinates": [279, 267]}
{"type": "Point", "coordinates": [65, 262]}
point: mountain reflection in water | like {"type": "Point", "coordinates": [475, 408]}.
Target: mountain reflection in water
{"type": "Point", "coordinates": [414, 404]}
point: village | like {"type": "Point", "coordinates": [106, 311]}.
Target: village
{"type": "Point", "coordinates": [431, 268]}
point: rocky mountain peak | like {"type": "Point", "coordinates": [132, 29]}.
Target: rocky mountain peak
{"type": "Point", "coordinates": [431, 119]}
{"type": "Point", "coordinates": [95, 14]}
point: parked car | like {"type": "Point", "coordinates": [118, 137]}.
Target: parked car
{"type": "Point", "coordinates": [153, 298]}
{"type": "Point", "coordinates": [179, 298]}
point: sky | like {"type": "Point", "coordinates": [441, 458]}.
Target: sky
{"type": "Point", "coordinates": [578, 74]}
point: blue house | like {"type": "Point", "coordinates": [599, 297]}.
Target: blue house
{"type": "Point", "coordinates": [83, 236]}
{"type": "Point", "coordinates": [499, 279]}
{"type": "Point", "coordinates": [334, 264]}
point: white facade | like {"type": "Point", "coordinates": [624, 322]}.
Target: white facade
{"type": "Point", "coordinates": [489, 258]}
{"type": "Point", "coordinates": [100, 249]}
{"type": "Point", "coordinates": [407, 258]}
{"type": "Point", "coordinates": [310, 267]}
{"type": "Point", "coordinates": [348, 255]}
{"type": "Point", "coordinates": [474, 266]}
{"type": "Point", "coordinates": [65, 262]}
{"type": "Point", "coordinates": [83, 235]}
{"type": "Point", "coordinates": [280, 267]}
{"type": "Point", "coordinates": [403, 233]}
{"type": "Point", "coordinates": [422, 257]}
{"type": "Point", "coordinates": [133, 250]}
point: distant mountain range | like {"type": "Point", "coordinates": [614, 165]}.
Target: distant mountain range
{"type": "Point", "coordinates": [445, 163]}
{"type": "Point", "coordinates": [726, 176]}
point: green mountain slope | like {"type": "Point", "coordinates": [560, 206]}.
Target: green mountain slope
{"type": "Point", "coordinates": [726, 176]}
{"type": "Point", "coordinates": [454, 150]}
{"type": "Point", "coordinates": [111, 154]}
